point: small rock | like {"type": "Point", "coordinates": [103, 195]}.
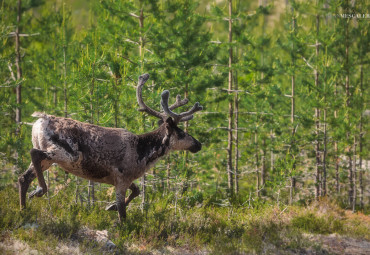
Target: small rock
{"type": "Point", "coordinates": [33, 225]}
{"type": "Point", "coordinates": [110, 245]}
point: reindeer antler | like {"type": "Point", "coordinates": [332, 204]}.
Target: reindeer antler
{"type": "Point", "coordinates": [179, 102]}
{"type": "Point", "coordinates": [139, 96]}
{"type": "Point", "coordinates": [185, 116]}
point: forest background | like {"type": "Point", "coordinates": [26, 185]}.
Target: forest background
{"type": "Point", "coordinates": [284, 86]}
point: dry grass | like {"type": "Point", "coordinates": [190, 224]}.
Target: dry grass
{"type": "Point", "coordinates": [199, 229]}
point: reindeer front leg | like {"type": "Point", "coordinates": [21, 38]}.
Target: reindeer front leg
{"type": "Point", "coordinates": [121, 205]}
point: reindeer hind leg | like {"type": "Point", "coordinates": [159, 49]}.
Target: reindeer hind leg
{"type": "Point", "coordinates": [24, 182]}
{"type": "Point", "coordinates": [135, 191]}
{"type": "Point", "coordinates": [41, 162]}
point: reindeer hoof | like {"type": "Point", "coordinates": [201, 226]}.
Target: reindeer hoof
{"type": "Point", "coordinates": [38, 192]}
{"type": "Point", "coordinates": [111, 207]}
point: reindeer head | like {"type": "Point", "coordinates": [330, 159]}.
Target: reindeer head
{"type": "Point", "coordinates": [175, 138]}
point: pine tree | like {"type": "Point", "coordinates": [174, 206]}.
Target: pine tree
{"type": "Point", "coordinates": [231, 109]}
{"type": "Point", "coordinates": [184, 53]}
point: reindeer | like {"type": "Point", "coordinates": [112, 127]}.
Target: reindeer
{"type": "Point", "coordinates": [108, 155]}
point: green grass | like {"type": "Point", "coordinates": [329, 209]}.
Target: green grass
{"type": "Point", "coordinates": [196, 224]}
{"type": "Point", "coordinates": [309, 222]}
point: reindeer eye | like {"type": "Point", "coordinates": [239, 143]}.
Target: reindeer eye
{"type": "Point", "coordinates": [181, 134]}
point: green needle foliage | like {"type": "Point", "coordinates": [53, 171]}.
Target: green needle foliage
{"type": "Point", "coordinates": [299, 92]}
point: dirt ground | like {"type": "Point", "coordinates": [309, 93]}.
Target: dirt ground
{"type": "Point", "coordinates": [323, 244]}
{"type": "Point", "coordinates": [336, 244]}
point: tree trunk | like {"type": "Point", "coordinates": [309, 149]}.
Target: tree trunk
{"type": "Point", "coordinates": [292, 189]}
{"type": "Point", "coordinates": [141, 52]}
{"type": "Point", "coordinates": [263, 159]}
{"type": "Point", "coordinates": [360, 170]}
{"type": "Point", "coordinates": [186, 153]}
{"type": "Point", "coordinates": [90, 194]}
{"type": "Point", "coordinates": [292, 179]}
{"type": "Point", "coordinates": [347, 69]}
{"type": "Point", "coordinates": [77, 192]}
{"type": "Point", "coordinates": [361, 144]}
{"type": "Point", "coordinates": [263, 166]}
{"type": "Point", "coordinates": [65, 67]}
{"type": "Point", "coordinates": [257, 163]}
{"type": "Point", "coordinates": [236, 102]}
{"type": "Point", "coordinates": [230, 126]}
{"type": "Point", "coordinates": [350, 180]}
{"type": "Point", "coordinates": [91, 187]}
{"type": "Point", "coordinates": [55, 89]}
{"type": "Point", "coordinates": [18, 90]}
{"type": "Point", "coordinates": [141, 40]}
{"type": "Point", "coordinates": [354, 174]}
{"type": "Point", "coordinates": [65, 74]}
{"type": "Point", "coordinates": [360, 177]}
{"type": "Point", "coordinates": [317, 121]}
{"type": "Point", "coordinates": [324, 174]}
{"type": "Point", "coordinates": [116, 102]}
{"type": "Point", "coordinates": [168, 172]}
{"type": "Point", "coordinates": [143, 192]}
{"type": "Point", "coordinates": [336, 150]}
{"type": "Point", "coordinates": [272, 163]}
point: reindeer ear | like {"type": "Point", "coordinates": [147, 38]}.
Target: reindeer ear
{"type": "Point", "coordinates": [170, 121]}
{"type": "Point", "coordinates": [169, 125]}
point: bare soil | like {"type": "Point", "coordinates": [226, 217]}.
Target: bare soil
{"type": "Point", "coordinates": [322, 244]}
{"type": "Point", "coordinates": [336, 244]}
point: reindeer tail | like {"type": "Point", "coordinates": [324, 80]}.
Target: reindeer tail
{"type": "Point", "coordinates": [39, 115]}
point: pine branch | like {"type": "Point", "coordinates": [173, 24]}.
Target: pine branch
{"type": "Point", "coordinates": [12, 34]}
{"type": "Point", "coordinates": [11, 72]}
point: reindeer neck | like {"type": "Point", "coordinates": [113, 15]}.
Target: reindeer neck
{"type": "Point", "coordinates": [150, 146]}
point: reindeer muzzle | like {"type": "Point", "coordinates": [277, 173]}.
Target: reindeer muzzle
{"type": "Point", "coordinates": [196, 147]}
